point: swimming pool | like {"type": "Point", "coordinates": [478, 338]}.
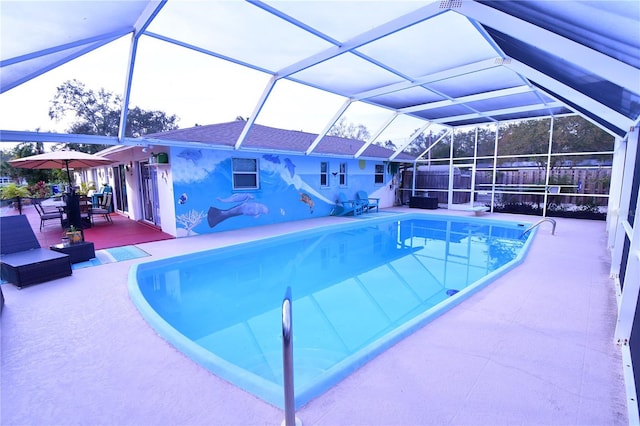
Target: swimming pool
{"type": "Point", "coordinates": [357, 289]}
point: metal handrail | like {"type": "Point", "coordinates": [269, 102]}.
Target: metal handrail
{"type": "Point", "coordinates": [546, 219]}
{"type": "Point", "coordinates": [287, 360]}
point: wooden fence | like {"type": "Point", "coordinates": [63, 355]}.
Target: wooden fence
{"type": "Point", "coordinates": [527, 185]}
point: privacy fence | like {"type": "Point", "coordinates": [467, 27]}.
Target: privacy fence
{"type": "Point", "coordinates": [521, 190]}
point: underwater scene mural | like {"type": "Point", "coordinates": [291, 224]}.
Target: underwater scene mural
{"type": "Point", "coordinates": [288, 189]}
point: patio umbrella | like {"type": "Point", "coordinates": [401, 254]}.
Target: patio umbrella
{"type": "Point", "coordinates": [61, 160]}
{"type": "Point", "coordinates": [64, 160]}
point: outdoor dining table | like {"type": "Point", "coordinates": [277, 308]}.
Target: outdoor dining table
{"type": "Point", "coordinates": [52, 202]}
{"type": "Point", "coordinates": [71, 210]}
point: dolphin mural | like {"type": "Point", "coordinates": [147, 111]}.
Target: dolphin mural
{"type": "Point", "coordinates": [285, 173]}
{"type": "Point", "coordinates": [191, 154]}
{"type": "Point", "coordinates": [290, 166]}
{"type": "Point", "coordinates": [273, 158]}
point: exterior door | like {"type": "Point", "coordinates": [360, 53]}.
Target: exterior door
{"type": "Point", "coordinates": [149, 189]}
{"type": "Point", "coordinates": [120, 188]}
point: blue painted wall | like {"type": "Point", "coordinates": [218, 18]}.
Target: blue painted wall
{"type": "Point", "coordinates": [289, 189]}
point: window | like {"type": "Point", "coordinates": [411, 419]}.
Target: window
{"type": "Point", "coordinates": [378, 176]}
{"type": "Point", "coordinates": [245, 173]}
{"type": "Point", "coordinates": [343, 174]}
{"type": "Point", "coordinates": [324, 173]}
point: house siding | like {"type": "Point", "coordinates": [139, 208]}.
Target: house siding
{"type": "Point", "coordinates": [289, 189]}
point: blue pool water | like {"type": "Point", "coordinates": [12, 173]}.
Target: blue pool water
{"type": "Point", "coordinates": [357, 289]}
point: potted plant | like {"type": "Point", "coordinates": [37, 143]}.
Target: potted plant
{"type": "Point", "coordinates": [85, 187]}
{"type": "Point", "coordinates": [74, 234]}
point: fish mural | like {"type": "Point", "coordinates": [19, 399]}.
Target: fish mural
{"type": "Point", "coordinates": [191, 154]}
{"type": "Point", "coordinates": [183, 198]}
{"type": "Point", "coordinates": [305, 198]}
{"type": "Point", "coordinates": [216, 215]}
{"type": "Point", "coordinates": [236, 198]}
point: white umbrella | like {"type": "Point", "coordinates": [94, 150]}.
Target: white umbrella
{"type": "Point", "coordinates": [61, 160]}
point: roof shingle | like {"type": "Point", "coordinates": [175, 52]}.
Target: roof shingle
{"type": "Point", "coordinates": [263, 137]}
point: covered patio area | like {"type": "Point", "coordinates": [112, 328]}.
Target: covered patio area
{"type": "Point", "coordinates": [122, 232]}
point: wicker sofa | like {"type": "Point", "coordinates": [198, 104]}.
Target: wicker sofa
{"type": "Point", "coordinates": [22, 261]}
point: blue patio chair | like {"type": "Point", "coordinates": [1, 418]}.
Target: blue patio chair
{"type": "Point", "coordinates": [346, 207]}
{"type": "Point", "coordinates": [103, 209]}
{"type": "Point", "coordinates": [367, 202]}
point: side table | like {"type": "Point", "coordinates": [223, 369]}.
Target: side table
{"type": "Point", "coordinates": [78, 252]}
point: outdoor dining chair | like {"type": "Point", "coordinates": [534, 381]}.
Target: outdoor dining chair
{"type": "Point", "coordinates": [104, 209]}
{"type": "Point", "coordinates": [86, 210]}
{"type": "Point", "coordinates": [47, 214]}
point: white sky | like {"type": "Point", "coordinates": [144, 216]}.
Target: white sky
{"type": "Point", "coordinates": [197, 88]}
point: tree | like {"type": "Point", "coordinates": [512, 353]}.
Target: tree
{"type": "Point", "coordinates": [24, 149]}
{"type": "Point", "coordinates": [345, 129]}
{"type": "Point", "coordinates": [570, 134]}
{"type": "Point", "coordinates": [420, 144]}
{"type": "Point", "coordinates": [98, 113]}
{"type": "Point", "coordinates": [524, 137]}
{"type": "Point", "coordinates": [389, 145]}
{"type": "Point", "coordinates": [5, 168]}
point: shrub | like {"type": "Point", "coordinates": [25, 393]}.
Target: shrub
{"type": "Point", "coordinates": [39, 190]}
{"type": "Point", "coordinates": [13, 191]}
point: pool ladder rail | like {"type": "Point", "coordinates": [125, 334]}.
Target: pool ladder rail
{"type": "Point", "coordinates": [290, 418]}
{"type": "Point", "coordinates": [540, 222]}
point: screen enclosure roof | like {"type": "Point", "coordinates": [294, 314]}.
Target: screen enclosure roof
{"type": "Point", "coordinates": [446, 63]}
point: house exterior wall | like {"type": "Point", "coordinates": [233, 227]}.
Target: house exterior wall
{"type": "Point", "coordinates": [134, 205]}
{"type": "Point", "coordinates": [166, 197]}
{"type": "Point", "coordinates": [289, 188]}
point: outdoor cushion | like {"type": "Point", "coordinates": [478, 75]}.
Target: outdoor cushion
{"type": "Point", "coordinates": [22, 261]}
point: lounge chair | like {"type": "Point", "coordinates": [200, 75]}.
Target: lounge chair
{"type": "Point", "coordinates": [45, 213]}
{"type": "Point", "coordinates": [367, 203]}
{"type": "Point", "coordinates": [345, 207]}
{"type": "Point", "coordinates": [104, 209]}
{"type": "Point", "coordinates": [22, 261]}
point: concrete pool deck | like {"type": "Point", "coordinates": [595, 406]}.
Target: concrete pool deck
{"type": "Point", "coordinates": [535, 347]}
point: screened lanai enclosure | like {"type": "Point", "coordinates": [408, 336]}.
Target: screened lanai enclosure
{"type": "Point", "coordinates": [547, 167]}
{"type": "Point", "coordinates": [486, 95]}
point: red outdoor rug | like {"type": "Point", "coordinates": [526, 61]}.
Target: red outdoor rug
{"type": "Point", "coordinates": [122, 232]}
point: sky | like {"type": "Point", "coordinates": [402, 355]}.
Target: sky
{"type": "Point", "coordinates": [198, 88]}
{"type": "Point", "coordinates": [184, 87]}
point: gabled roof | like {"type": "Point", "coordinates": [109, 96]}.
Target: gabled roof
{"type": "Point", "coordinates": [447, 63]}
{"type": "Point", "coordinates": [225, 135]}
